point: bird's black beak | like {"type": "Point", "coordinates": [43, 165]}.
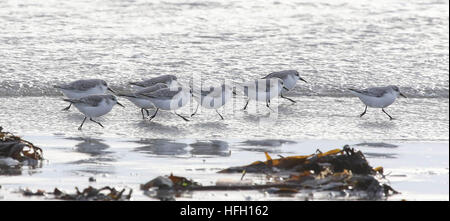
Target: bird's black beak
{"type": "Point", "coordinates": [120, 104]}
{"type": "Point", "coordinates": [285, 88]}
{"type": "Point", "coordinates": [109, 89]}
{"type": "Point", "coordinates": [302, 79]}
{"type": "Point", "coordinates": [403, 95]}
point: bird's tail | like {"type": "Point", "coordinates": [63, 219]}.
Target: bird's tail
{"type": "Point", "coordinates": [71, 100]}
{"type": "Point", "coordinates": [135, 83]}
{"type": "Point", "coordinates": [354, 91]}
{"type": "Point", "coordinates": [124, 94]}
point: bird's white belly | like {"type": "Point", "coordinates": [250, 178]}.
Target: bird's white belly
{"type": "Point", "coordinates": [97, 111]}
{"type": "Point", "coordinates": [141, 103]}
{"type": "Point", "coordinates": [175, 103]}
{"type": "Point", "coordinates": [290, 82]}
{"type": "Point", "coordinates": [377, 102]}
{"type": "Point", "coordinates": [75, 94]}
{"type": "Point", "coordinates": [172, 84]}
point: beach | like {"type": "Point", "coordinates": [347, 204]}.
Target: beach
{"type": "Point", "coordinates": [335, 45]}
{"type": "Point", "coordinates": [130, 151]}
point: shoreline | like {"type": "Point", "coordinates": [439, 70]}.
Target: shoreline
{"type": "Point", "coordinates": [312, 118]}
{"type": "Point", "coordinates": [419, 170]}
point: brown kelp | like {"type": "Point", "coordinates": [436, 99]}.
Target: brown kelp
{"type": "Point", "coordinates": [343, 171]}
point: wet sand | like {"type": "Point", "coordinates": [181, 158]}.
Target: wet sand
{"type": "Point", "coordinates": [312, 117]}
{"type": "Point", "coordinates": [419, 170]}
{"type": "Point", "coordinates": [129, 151]}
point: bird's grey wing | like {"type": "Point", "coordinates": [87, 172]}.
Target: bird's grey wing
{"type": "Point", "coordinates": [164, 93]}
{"type": "Point", "coordinates": [79, 85]}
{"type": "Point", "coordinates": [273, 75]}
{"type": "Point", "coordinates": [152, 81]}
{"type": "Point", "coordinates": [93, 100]}
{"type": "Point", "coordinates": [279, 74]}
{"type": "Point", "coordinates": [153, 88]}
{"type": "Point", "coordinates": [373, 92]}
{"type": "Point", "coordinates": [126, 94]}
{"type": "Point", "coordinates": [145, 83]}
{"type": "Point", "coordinates": [163, 78]}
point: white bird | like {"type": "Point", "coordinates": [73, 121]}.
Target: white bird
{"type": "Point", "coordinates": [378, 97]}
{"type": "Point", "coordinates": [169, 99]}
{"type": "Point", "coordinates": [213, 98]}
{"type": "Point", "coordinates": [138, 98]}
{"type": "Point", "coordinates": [263, 90]}
{"type": "Point", "coordinates": [94, 106]}
{"type": "Point", "coordinates": [170, 80]}
{"type": "Point", "coordinates": [83, 88]}
{"type": "Point", "coordinates": [289, 77]}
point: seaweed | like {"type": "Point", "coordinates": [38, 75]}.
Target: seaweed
{"type": "Point", "coordinates": [93, 194]}
{"type": "Point", "coordinates": [167, 187]}
{"type": "Point", "coordinates": [344, 171]}
{"type": "Point", "coordinates": [336, 160]}
{"type": "Point", "coordinates": [15, 147]}
{"type": "Point", "coordinates": [88, 194]}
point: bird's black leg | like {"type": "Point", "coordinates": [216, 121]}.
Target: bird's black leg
{"type": "Point", "coordinates": [154, 115]}
{"type": "Point", "coordinates": [184, 118]}
{"type": "Point", "coordinates": [288, 99]}
{"type": "Point", "coordinates": [267, 105]}
{"type": "Point", "coordinates": [219, 114]}
{"type": "Point", "coordinates": [96, 122]}
{"type": "Point", "coordinates": [365, 110]}
{"type": "Point", "coordinates": [79, 128]}
{"type": "Point", "coordinates": [142, 112]}
{"type": "Point", "coordinates": [67, 108]}
{"type": "Point", "coordinates": [195, 110]}
{"type": "Point", "coordinates": [245, 108]}
{"type": "Point", "coordinates": [391, 118]}
{"type": "Point", "coordinates": [148, 113]}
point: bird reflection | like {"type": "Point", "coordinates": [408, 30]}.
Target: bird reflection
{"type": "Point", "coordinates": [161, 147]}
{"type": "Point", "coordinates": [91, 146]}
{"type": "Point", "coordinates": [213, 148]}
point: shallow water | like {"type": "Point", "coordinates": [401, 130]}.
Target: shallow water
{"type": "Point", "coordinates": [310, 118]}
{"type": "Point", "coordinates": [418, 170]}
{"type": "Point", "coordinates": [333, 44]}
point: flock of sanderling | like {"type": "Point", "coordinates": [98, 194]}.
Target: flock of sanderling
{"type": "Point", "coordinates": [165, 93]}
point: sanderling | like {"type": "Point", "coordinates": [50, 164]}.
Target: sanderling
{"type": "Point", "coordinates": [169, 99]}
{"type": "Point", "coordinates": [140, 100]}
{"type": "Point", "coordinates": [263, 90]}
{"type": "Point", "coordinates": [213, 98]}
{"type": "Point", "coordinates": [94, 106]}
{"type": "Point", "coordinates": [170, 80]}
{"type": "Point", "coordinates": [83, 88]}
{"type": "Point", "coordinates": [378, 97]}
{"type": "Point", "coordinates": [289, 77]}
